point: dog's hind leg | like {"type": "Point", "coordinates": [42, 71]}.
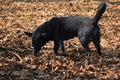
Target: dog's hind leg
{"type": "Point", "coordinates": [96, 42]}
{"type": "Point", "coordinates": [84, 41]}
{"type": "Point", "coordinates": [96, 39]}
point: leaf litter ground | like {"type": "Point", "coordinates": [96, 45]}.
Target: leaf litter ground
{"type": "Point", "coordinates": [16, 57]}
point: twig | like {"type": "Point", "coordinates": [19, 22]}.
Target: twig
{"type": "Point", "coordinates": [13, 52]}
{"type": "Point", "coordinates": [9, 49]}
{"type": "Point", "coordinates": [21, 60]}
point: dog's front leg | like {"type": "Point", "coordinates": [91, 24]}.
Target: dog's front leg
{"type": "Point", "coordinates": [56, 46]}
{"type": "Point", "coordinates": [62, 46]}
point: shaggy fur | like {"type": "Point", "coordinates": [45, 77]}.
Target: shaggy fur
{"type": "Point", "coordinates": [59, 29]}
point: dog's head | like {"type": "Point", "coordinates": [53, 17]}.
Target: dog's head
{"type": "Point", "coordinates": [38, 40]}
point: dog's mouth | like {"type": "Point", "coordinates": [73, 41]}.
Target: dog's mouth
{"type": "Point", "coordinates": [36, 51]}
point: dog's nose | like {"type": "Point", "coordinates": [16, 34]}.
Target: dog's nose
{"type": "Point", "coordinates": [34, 51]}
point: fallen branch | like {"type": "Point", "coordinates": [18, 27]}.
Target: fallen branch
{"type": "Point", "coordinates": [10, 49]}
{"type": "Point", "coordinates": [21, 60]}
{"type": "Point", "coordinates": [13, 52]}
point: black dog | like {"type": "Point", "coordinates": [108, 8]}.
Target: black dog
{"type": "Point", "coordinates": [59, 29]}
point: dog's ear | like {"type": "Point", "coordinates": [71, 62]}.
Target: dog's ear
{"type": "Point", "coordinates": [28, 34]}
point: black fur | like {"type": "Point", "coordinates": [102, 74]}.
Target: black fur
{"type": "Point", "coordinates": [59, 29]}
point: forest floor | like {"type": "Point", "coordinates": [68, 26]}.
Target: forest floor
{"type": "Point", "coordinates": [17, 61]}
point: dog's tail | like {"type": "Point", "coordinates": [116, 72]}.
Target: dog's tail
{"type": "Point", "coordinates": [100, 11]}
